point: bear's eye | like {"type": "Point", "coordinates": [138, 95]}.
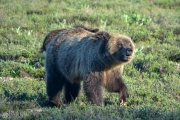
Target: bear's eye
{"type": "Point", "coordinates": [120, 45]}
{"type": "Point", "coordinates": [130, 45]}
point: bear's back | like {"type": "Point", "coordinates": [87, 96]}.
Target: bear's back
{"type": "Point", "coordinates": [70, 50]}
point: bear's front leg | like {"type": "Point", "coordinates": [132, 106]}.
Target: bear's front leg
{"type": "Point", "coordinates": [116, 84]}
{"type": "Point", "coordinates": [123, 94]}
{"type": "Point", "coordinates": [93, 88]}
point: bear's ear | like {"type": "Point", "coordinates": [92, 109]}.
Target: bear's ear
{"type": "Point", "coordinates": [106, 36]}
{"type": "Point", "coordinates": [103, 48]}
{"type": "Point", "coordinates": [100, 35]}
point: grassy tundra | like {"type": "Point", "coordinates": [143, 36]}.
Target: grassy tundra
{"type": "Point", "coordinates": [153, 77]}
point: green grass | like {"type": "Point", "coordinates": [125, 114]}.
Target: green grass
{"type": "Point", "coordinates": [153, 77]}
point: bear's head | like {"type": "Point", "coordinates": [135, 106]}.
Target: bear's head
{"type": "Point", "coordinates": [121, 48]}
{"type": "Point", "coordinates": [116, 46]}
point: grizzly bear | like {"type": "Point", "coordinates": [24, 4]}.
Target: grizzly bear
{"type": "Point", "coordinates": [51, 35]}
{"type": "Point", "coordinates": [95, 58]}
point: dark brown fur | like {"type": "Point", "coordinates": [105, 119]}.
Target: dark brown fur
{"type": "Point", "coordinates": [49, 38]}
{"type": "Point", "coordinates": [51, 35]}
{"type": "Point", "coordinates": [96, 58]}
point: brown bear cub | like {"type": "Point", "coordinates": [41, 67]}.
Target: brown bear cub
{"type": "Point", "coordinates": [94, 57]}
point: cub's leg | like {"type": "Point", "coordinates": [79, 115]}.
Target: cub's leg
{"type": "Point", "coordinates": [71, 91]}
{"type": "Point", "coordinates": [54, 85]}
{"type": "Point", "coordinates": [93, 88]}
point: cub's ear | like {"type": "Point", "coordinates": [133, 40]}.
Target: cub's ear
{"type": "Point", "coordinates": [100, 35]}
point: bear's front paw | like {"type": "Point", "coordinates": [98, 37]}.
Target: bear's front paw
{"type": "Point", "coordinates": [123, 103]}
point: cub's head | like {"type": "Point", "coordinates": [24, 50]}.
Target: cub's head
{"type": "Point", "coordinates": [121, 48]}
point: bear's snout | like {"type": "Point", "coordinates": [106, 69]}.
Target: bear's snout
{"type": "Point", "coordinates": [129, 51]}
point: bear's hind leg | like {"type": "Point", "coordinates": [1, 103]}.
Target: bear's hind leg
{"type": "Point", "coordinates": [71, 91]}
{"type": "Point", "coordinates": [54, 85]}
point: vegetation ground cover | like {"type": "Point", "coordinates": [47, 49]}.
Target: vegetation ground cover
{"type": "Point", "coordinates": [153, 77]}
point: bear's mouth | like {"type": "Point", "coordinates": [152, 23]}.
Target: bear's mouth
{"type": "Point", "coordinates": [126, 58]}
{"type": "Point", "coordinates": [123, 57]}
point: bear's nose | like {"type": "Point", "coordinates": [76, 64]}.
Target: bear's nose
{"type": "Point", "coordinates": [128, 51]}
